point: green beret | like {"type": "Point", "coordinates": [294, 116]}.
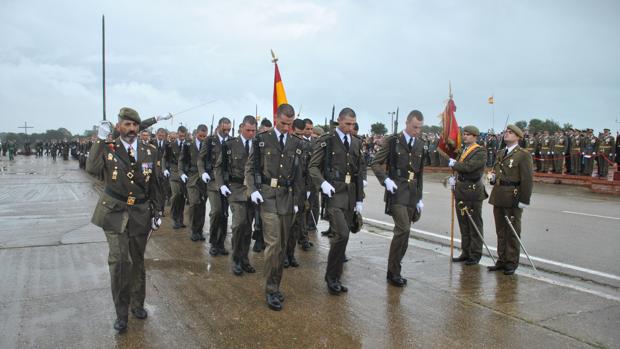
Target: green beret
{"type": "Point", "coordinates": [473, 130]}
{"type": "Point", "coordinates": [129, 114]}
{"type": "Point", "coordinates": [515, 129]}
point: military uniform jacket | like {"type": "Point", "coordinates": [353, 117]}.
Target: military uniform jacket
{"type": "Point", "coordinates": [470, 170]}
{"type": "Point", "coordinates": [560, 145]}
{"type": "Point", "coordinates": [607, 146]}
{"type": "Point", "coordinates": [276, 173]}
{"type": "Point", "coordinates": [170, 161]}
{"type": "Point", "coordinates": [343, 166]}
{"type": "Point", "coordinates": [209, 153]}
{"type": "Point", "coordinates": [576, 142]}
{"type": "Point", "coordinates": [230, 169]}
{"type": "Point", "coordinates": [161, 152]}
{"type": "Point", "coordinates": [188, 163]}
{"type": "Point", "coordinates": [513, 178]}
{"type": "Point", "coordinates": [128, 187]}
{"type": "Point", "coordinates": [405, 167]}
{"type": "Point", "coordinates": [590, 146]}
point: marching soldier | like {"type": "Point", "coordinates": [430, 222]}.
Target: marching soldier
{"type": "Point", "coordinates": [560, 147]}
{"type": "Point", "coordinates": [469, 192]}
{"type": "Point", "coordinates": [512, 180]}
{"type": "Point", "coordinates": [196, 189]}
{"type": "Point", "coordinates": [274, 181]}
{"type": "Point", "coordinates": [575, 157]}
{"type": "Point", "coordinates": [336, 167]}
{"type": "Point", "coordinates": [126, 210]}
{"type": "Point", "coordinates": [589, 150]}
{"type": "Point", "coordinates": [230, 177]}
{"type": "Point", "coordinates": [399, 166]}
{"type": "Point", "coordinates": [170, 164]}
{"type": "Point", "coordinates": [218, 216]}
{"type": "Point", "coordinates": [313, 213]}
{"type": "Point", "coordinates": [161, 144]}
{"type": "Point", "coordinates": [606, 150]}
{"type": "Point", "coordinates": [257, 234]}
{"type": "Point", "coordinates": [491, 148]}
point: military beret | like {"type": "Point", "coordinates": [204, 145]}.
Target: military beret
{"type": "Point", "coordinates": [129, 114]}
{"type": "Point", "coordinates": [515, 129]}
{"type": "Point", "coordinates": [472, 130]}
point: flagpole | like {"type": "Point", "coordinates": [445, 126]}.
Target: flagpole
{"type": "Point", "coordinates": [103, 60]}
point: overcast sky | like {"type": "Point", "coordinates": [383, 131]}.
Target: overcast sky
{"type": "Point", "coordinates": [546, 59]}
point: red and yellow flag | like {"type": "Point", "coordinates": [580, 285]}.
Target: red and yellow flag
{"type": "Point", "coordinates": [279, 96]}
{"type": "Point", "coordinates": [450, 140]}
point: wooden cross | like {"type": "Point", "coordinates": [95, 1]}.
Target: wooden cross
{"type": "Point", "coordinates": [25, 127]}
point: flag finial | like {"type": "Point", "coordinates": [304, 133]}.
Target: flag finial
{"type": "Point", "coordinates": [450, 88]}
{"type": "Point", "coordinates": [273, 55]}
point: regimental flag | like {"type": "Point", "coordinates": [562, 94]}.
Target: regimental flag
{"type": "Point", "coordinates": [279, 96]}
{"type": "Point", "coordinates": [450, 139]}
{"type": "Point", "coordinates": [491, 100]}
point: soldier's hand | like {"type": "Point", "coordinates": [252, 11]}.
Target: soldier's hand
{"type": "Point", "coordinates": [184, 178]}
{"type": "Point", "coordinates": [390, 185]}
{"type": "Point", "coordinates": [295, 209]}
{"type": "Point", "coordinates": [166, 173]}
{"type": "Point", "coordinates": [327, 189]}
{"type": "Point", "coordinates": [155, 223]}
{"type": "Point", "coordinates": [256, 197]}
{"type": "Point", "coordinates": [308, 195]}
{"type": "Point", "coordinates": [365, 183]}
{"type": "Point", "coordinates": [419, 206]}
{"type": "Point", "coordinates": [522, 205]}
{"type": "Point", "coordinates": [451, 162]}
{"type": "Point", "coordinates": [491, 177]}
{"type": "Point", "coordinates": [359, 207]}
{"type": "Point", "coordinates": [225, 191]}
{"type": "Point", "coordinates": [452, 181]}
{"type": "Point", "coordinates": [105, 128]}
{"type": "Point", "coordinates": [206, 178]}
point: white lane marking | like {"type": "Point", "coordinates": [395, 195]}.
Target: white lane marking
{"type": "Point", "coordinates": [532, 276]}
{"type": "Point", "coordinates": [590, 215]}
{"type": "Point", "coordinates": [534, 258]}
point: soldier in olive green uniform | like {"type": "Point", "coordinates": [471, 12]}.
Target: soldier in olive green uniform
{"type": "Point", "coordinates": [606, 152]}
{"type": "Point", "coordinates": [170, 164]}
{"type": "Point", "coordinates": [560, 147]}
{"type": "Point", "coordinates": [274, 181]}
{"type": "Point", "coordinates": [218, 216]}
{"type": "Point", "coordinates": [196, 188]}
{"type": "Point", "coordinates": [531, 145]}
{"type": "Point", "coordinates": [126, 210]}
{"type": "Point", "coordinates": [230, 177]}
{"type": "Point", "coordinates": [588, 151]}
{"type": "Point", "coordinates": [512, 180]}
{"type": "Point", "coordinates": [575, 153]}
{"type": "Point", "coordinates": [469, 192]}
{"type": "Point", "coordinates": [336, 167]}
{"type": "Point", "coordinates": [546, 147]}
{"type": "Point", "coordinates": [399, 166]}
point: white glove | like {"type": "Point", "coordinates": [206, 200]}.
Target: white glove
{"type": "Point", "coordinates": [155, 224]}
{"type": "Point", "coordinates": [105, 128]}
{"type": "Point", "coordinates": [205, 177]}
{"type": "Point", "coordinates": [365, 182]}
{"type": "Point", "coordinates": [295, 209]}
{"type": "Point", "coordinates": [522, 205]}
{"type": "Point", "coordinates": [184, 178]}
{"type": "Point", "coordinates": [166, 173]}
{"type": "Point", "coordinates": [164, 117]}
{"type": "Point", "coordinates": [308, 195]}
{"type": "Point", "coordinates": [452, 181]}
{"type": "Point", "coordinates": [390, 185]}
{"type": "Point", "coordinates": [327, 189]}
{"type": "Point", "coordinates": [451, 162]}
{"type": "Point", "coordinates": [256, 197]}
{"type": "Point", "coordinates": [225, 191]}
{"type": "Point", "coordinates": [358, 207]}
{"type": "Point", "coordinates": [420, 206]}
{"type": "Point", "coordinates": [491, 176]}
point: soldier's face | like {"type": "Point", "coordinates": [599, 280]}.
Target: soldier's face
{"type": "Point", "coordinates": [181, 135]}
{"type": "Point", "coordinates": [224, 130]}
{"type": "Point", "coordinates": [414, 127]}
{"type": "Point", "coordinates": [285, 123]}
{"type": "Point", "coordinates": [201, 135]}
{"type": "Point", "coordinates": [468, 138]}
{"type": "Point", "coordinates": [161, 135]}
{"type": "Point", "coordinates": [346, 124]}
{"type": "Point", "coordinates": [308, 130]}
{"type": "Point", "coordinates": [145, 136]}
{"type": "Point", "coordinates": [298, 132]}
{"type": "Point", "coordinates": [510, 137]}
{"type": "Point", "coordinates": [128, 130]}
{"type": "Point", "coordinates": [248, 131]}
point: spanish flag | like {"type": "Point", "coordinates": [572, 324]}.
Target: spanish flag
{"type": "Point", "coordinates": [450, 140]}
{"type": "Point", "coordinates": [279, 96]}
{"type": "Point", "coordinates": [491, 100]}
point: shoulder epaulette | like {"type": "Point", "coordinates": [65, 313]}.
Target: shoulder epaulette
{"type": "Point", "coordinates": [152, 146]}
